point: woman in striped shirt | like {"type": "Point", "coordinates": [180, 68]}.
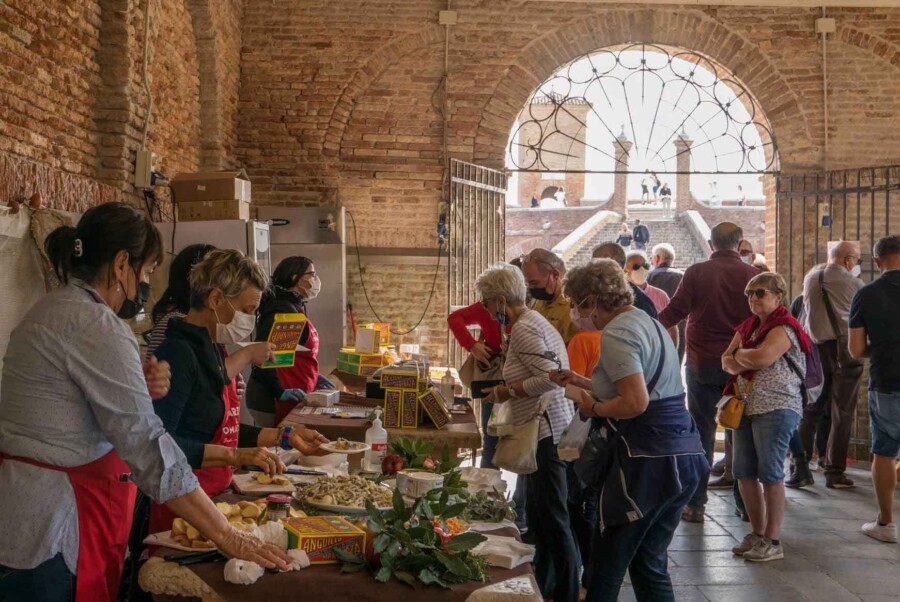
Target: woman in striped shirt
{"type": "Point", "coordinates": [528, 385]}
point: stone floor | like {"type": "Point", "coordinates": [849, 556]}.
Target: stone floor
{"type": "Point", "coordinates": [827, 559]}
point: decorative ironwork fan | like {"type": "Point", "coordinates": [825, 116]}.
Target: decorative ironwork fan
{"type": "Point", "coordinates": [642, 107]}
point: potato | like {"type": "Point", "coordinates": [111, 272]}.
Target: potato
{"type": "Point", "coordinates": [263, 479]}
{"type": "Point", "coordinates": [192, 533]}
{"type": "Point", "coordinates": [296, 513]}
{"type": "Point", "coordinates": [235, 511]}
{"type": "Point", "coordinates": [262, 503]}
{"type": "Point", "coordinates": [251, 511]}
{"type": "Point", "coordinates": [202, 544]}
{"type": "Point", "coordinates": [179, 526]}
{"type": "Point", "coordinates": [249, 521]}
{"type": "Point", "coordinates": [224, 508]}
{"type": "Point", "coordinates": [182, 540]}
{"type": "Point", "coordinates": [244, 503]}
{"type": "Point", "coordinates": [281, 481]}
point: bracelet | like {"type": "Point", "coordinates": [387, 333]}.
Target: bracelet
{"type": "Point", "coordinates": [284, 436]}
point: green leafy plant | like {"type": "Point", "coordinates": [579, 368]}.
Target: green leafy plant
{"type": "Point", "coordinates": [483, 506]}
{"type": "Point", "coordinates": [407, 547]}
{"type": "Point", "coordinates": [419, 455]}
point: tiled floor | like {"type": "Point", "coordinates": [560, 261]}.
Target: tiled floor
{"type": "Point", "coordinates": [827, 559]}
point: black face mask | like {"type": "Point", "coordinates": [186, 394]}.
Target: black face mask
{"type": "Point", "coordinates": [541, 293]}
{"type": "Point", "coordinates": [501, 317]}
{"type": "Point", "coordinates": [131, 307]}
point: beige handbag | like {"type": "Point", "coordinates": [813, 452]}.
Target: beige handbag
{"type": "Point", "coordinates": [517, 445]}
{"type": "Point", "coordinates": [730, 410]}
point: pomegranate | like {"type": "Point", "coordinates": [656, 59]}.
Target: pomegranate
{"type": "Point", "coordinates": [392, 464]}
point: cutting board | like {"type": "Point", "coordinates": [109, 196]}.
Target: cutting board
{"type": "Point", "coordinates": [245, 484]}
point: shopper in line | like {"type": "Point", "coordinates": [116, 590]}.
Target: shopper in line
{"type": "Point", "coordinates": [766, 357]}
{"type": "Point", "coordinates": [544, 272]}
{"type": "Point", "coordinates": [610, 250]}
{"type": "Point", "coordinates": [875, 333]}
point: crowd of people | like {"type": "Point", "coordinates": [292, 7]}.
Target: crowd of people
{"type": "Point", "coordinates": [605, 341]}
{"type": "Point", "coordinates": [85, 420]}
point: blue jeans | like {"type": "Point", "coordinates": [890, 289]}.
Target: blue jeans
{"type": "Point", "coordinates": [641, 548]}
{"type": "Point", "coordinates": [761, 444]}
{"type": "Point", "coordinates": [50, 581]}
{"type": "Point", "coordinates": [704, 390]}
{"type": "Point", "coordinates": [489, 445]}
{"type": "Point", "coordinates": [555, 555]}
{"type": "Point", "coordinates": [884, 423]}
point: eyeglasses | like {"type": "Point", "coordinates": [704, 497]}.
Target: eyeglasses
{"type": "Point", "coordinates": [745, 252]}
{"type": "Point", "coordinates": [759, 293]}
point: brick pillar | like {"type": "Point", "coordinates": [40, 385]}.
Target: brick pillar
{"type": "Point", "coordinates": [684, 200]}
{"type": "Point", "coordinates": [619, 200]}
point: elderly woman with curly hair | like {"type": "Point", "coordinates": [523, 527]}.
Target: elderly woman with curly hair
{"type": "Point", "coordinates": [528, 389]}
{"type": "Point", "coordinates": [636, 391]}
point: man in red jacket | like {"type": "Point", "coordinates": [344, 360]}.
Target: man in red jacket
{"type": "Point", "coordinates": [711, 297]}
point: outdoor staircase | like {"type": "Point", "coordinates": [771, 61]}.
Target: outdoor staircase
{"type": "Point", "coordinates": [672, 230]}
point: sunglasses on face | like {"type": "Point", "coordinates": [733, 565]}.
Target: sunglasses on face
{"type": "Point", "coordinates": [759, 293]}
{"type": "Point", "coordinates": [637, 267]}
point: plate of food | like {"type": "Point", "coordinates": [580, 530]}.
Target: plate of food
{"type": "Point", "coordinates": [346, 495]}
{"type": "Point", "coordinates": [343, 446]}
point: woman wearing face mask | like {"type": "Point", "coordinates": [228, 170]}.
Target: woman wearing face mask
{"type": "Point", "coordinates": [272, 394]}
{"type": "Point", "coordinates": [202, 410]}
{"type": "Point", "coordinates": [77, 427]}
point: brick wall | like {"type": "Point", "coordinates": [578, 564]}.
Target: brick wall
{"type": "Point", "coordinates": [530, 228]}
{"type": "Point", "coordinates": [750, 219]}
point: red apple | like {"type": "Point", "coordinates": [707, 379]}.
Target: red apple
{"type": "Point", "coordinates": [392, 464]}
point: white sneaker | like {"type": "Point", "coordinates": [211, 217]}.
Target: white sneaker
{"type": "Point", "coordinates": [764, 551]}
{"type": "Point", "coordinates": [886, 533]}
{"type": "Point", "coordinates": [749, 542]}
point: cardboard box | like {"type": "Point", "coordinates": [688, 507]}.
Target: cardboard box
{"type": "Point", "coordinates": [399, 379]}
{"type": "Point", "coordinates": [319, 536]}
{"type": "Point", "coordinates": [433, 405]}
{"type": "Point", "coordinates": [356, 369]}
{"type": "Point", "coordinates": [201, 211]}
{"type": "Point", "coordinates": [211, 186]}
{"type": "Point", "coordinates": [409, 412]}
{"type": "Point", "coordinates": [384, 328]}
{"type": "Point", "coordinates": [349, 355]}
{"type": "Point", "coordinates": [287, 329]}
{"type": "Point", "coordinates": [393, 407]}
{"type": "Point", "coordinates": [368, 340]}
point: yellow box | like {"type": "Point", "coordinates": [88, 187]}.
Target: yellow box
{"type": "Point", "coordinates": [409, 411]}
{"type": "Point", "coordinates": [433, 405]}
{"type": "Point", "coordinates": [384, 328]}
{"type": "Point", "coordinates": [393, 408]}
{"type": "Point", "coordinates": [319, 536]}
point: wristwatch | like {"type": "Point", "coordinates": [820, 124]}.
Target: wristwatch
{"type": "Point", "coordinates": [284, 437]}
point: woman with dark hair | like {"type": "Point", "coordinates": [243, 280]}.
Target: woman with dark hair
{"type": "Point", "coordinates": [77, 427]}
{"type": "Point", "coordinates": [273, 393]}
{"type": "Point", "coordinates": [176, 300]}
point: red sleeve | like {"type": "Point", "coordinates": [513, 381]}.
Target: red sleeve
{"type": "Point", "coordinates": [680, 304]}
{"type": "Point", "coordinates": [474, 315]}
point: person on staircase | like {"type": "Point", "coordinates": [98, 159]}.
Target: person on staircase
{"type": "Point", "coordinates": [641, 235]}
{"type": "Point", "coordinates": [665, 194]}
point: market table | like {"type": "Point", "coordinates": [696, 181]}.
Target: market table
{"type": "Point", "coordinates": [462, 433]}
{"type": "Point", "coordinates": [326, 582]}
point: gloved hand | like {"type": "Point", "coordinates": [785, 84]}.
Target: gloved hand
{"type": "Point", "coordinates": [324, 383]}
{"type": "Point", "coordinates": [237, 544]}
{"type": "Point", "coordinates": [295, 395]}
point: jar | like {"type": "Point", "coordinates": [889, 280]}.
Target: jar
{"type": "Point", "coordinates": [277, 507]}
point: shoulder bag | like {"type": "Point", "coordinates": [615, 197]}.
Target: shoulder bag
{"type": "Point", "coordinates": [602, 445]}
{"type": "Point", "coordinates": [730, 410]}
{"type": "Point", "coordinates": [844, 360]}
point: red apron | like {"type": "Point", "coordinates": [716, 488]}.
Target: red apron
{"type": "Point", "coordinates": [104, 498]}
{"type": "Point", "coordinates": [303, 375]}
{"type": "Point", "coordinates": [212, 480]}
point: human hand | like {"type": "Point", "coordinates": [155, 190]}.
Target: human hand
{"type": "Point", "coordinates": [498, 394]}
{"type": "Point", "coordinates": [308, 442]}
{"type": "Point", "coordinates": [242, 545]}
{"type": "Point", "coordinates": [295, 395]}
{"type": "Point", "coordinates": [565, 377]}
{"type": "Point", "coordinates": [258, 353]}
{"type": "Point", "coordinates": [259, 456]}
{"type": "Point", "coordinates": [158, 377]}
{"type": "Point", "coordinates": [240, 385]}
{"type": "Point", "coordinates": [481, 353]}
{"type": "Point", "coordinates": [586, 405]}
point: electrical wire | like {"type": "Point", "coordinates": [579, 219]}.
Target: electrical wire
{"type": "Point", "coordinates": [437, 269]}
{"type": "Point", "coordinates": [146, 75]}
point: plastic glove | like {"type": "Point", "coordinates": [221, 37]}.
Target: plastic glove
{"type": "Point", "coordinates": [324, 383]}
{"type": "Point", "coordinates": [295, 395]}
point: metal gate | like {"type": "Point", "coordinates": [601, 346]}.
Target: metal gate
{"type": "Point", "coordinates": [850, 204]}
{"type": "Point", "coordinates": [812, 209]}
{"type": "Point", "coordinates": [477, 215]}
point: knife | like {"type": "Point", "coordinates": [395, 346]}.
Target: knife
{"type": "Point", "coordinates": [290, 470]}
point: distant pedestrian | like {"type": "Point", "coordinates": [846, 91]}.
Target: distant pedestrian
{"type": "Point", "coordinates": [742, 198]}
{"type": "Point", "coordinates": [641, 235]}
{"type": "Point", "coordinates": [625, 236]}
{"type": "Point", "coordinates": [654, 179]}
{"type": "Point", "coordinates": [645, 187]}
{"type": "Point", "coordinates": [667, 278]}
{"type": "Point", "coordinates": [666, 195]}
{"type": "Point", "coordinates": [535, 202]}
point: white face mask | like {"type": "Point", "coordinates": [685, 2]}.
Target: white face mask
{"type": "Point", "coordinates": [239, 329]}
{"type": "Point", "coordinates": [582, 323]}
{"type": "Point", "coordinates": [639, 276]}
{"type": "Point", "coordinates": [855, 271]}
{"type": "Point", "coordinates": [746, 258]}
{"type": "Point", "coordinates": [315, 287]}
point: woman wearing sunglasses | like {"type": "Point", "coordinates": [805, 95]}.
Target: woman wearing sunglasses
{"type": "Point", "coordinates": [766, 357]}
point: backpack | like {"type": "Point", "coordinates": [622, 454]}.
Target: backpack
{"type": "Point", "coordinates": [812, 383]}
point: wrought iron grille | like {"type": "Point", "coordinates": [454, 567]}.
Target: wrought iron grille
{"type": "Point", "coordinates": [648, 106]}
{"type": "Point", "coordinates": [476, 233]}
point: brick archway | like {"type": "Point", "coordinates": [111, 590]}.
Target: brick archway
{"type": "Point", "coordinates": [685, 29]}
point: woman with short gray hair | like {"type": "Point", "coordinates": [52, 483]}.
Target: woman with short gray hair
{"type": "Point", "coordinates": [527, 385]}
{"type": "Point", "coordinates": [657, 460]}
{"type": "Point", "coordinates": [202, 409]}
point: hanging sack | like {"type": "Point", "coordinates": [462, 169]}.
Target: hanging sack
{"type": "Point", "coordinates": [601, 448]}
{"type": "Point", "coordinates": [730, 408]}
{"type": "Point", "coordinates": [517, 444]}
{"type": "Point", "coordinates": [573, 438]}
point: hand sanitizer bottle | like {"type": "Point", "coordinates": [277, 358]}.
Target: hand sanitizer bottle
{"type": "Point", "coordinates": [377, 438]}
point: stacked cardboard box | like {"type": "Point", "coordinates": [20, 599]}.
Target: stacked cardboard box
{"type": "Point", "coordinates": [212, 195]}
